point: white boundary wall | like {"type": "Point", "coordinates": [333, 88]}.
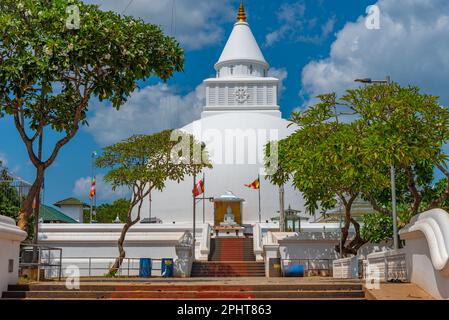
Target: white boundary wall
{"type": "Point", "coordinates": [10, 238]}
{"type": "Point", "coordinates": [79, 242]}
{"type": "Point", "coordinates": [346, 268]}
{"type": "Point", "coordinates": [427, 248]}
{"type": "Point", "coordinates": [388, 265]}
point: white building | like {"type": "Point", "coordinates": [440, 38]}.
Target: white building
{"type": "Point", "coordinates": [72, 207]}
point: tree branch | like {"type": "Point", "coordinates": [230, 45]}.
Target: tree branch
{"type": "Point", "coordinates": [417, 197]}
{"type": "Point", "coordinates": [376, 206]}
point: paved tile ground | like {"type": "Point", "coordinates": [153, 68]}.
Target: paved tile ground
{"type": "Point", "coordinates": [387, 291]}
{"type": "Point", "coordinates": [217, 281]}
{"type": "Point", "coordinates": [398, 291]}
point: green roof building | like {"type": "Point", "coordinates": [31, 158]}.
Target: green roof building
{"type": "Point", "coordinates": [52, 215]}
{"type": "Point", "coordinates": [72, 207]}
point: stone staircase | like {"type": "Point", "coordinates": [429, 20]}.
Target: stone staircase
{"type": "Point", "coordinates": [230, 257]}
{"type": "Point", "coordinates": [228, 269]}
{"type": "Point", "coordinates": [232, 249]}
{"type": "Point", "coordinates": [193, 289]}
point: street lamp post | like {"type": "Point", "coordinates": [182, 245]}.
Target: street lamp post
{"type": "Point", "coordinates": [392, 174]}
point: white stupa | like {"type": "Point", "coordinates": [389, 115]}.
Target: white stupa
{"type": "Point", "coordinates": [240, 116]}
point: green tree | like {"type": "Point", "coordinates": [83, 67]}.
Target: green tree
{"type": "Point", "coordinates": [388, 124]}
{"type": "Point", "coordinates": [51, 66]}
{"type": "Point", "coordinates": [323, 158]}
{"type": "Point", "coordinates": [9, 197]}
{"type": "Point", "coordinates": [107, 212]}
{"type": "Point", "coordinates": [144, 163]}
{"type": "Point", "coordinates": [408, 129]}
{"type": "Point", "coordinates": [377, 227]}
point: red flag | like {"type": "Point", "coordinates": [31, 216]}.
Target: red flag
{"type": "Point", "coordinates": [254, 185]}
{"type": "Point", "coordinates": [92, 189]}
{"type": "Point", "coordinates": [198, 189]}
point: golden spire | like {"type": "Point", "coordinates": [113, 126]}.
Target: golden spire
{"type": "Point", "coordinates": [241, 16]}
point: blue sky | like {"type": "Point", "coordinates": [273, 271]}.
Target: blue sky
{"type": "Point", "coordinates": [313, 46]}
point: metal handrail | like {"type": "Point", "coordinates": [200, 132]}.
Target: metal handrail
{"type": "Point", "coordinates": [126, 261]}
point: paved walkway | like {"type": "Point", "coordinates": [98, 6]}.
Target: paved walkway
{"type": "Point", "coordinates": [398, 291]}
{"type": "Point", "coordinates": [217, 281]}
{"type": "Point", "coordinates": [387, 291]}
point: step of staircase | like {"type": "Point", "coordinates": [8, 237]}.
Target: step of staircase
{"type": "Point", "coordinates": [187, 291]}
{"type": "Point", "coordinates": [228, 269]}
{"type": "Point", "coordinates": [232, 249]}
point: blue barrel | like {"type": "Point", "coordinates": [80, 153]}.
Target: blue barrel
{"type": "Point", "coordinates": [167, 268]}
{"type": "Point", "coordinates": [294, 270]}
{"type": "Point", "coordinates": [145, 268]}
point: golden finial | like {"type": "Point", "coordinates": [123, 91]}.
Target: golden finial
{"type": "Point", "coordinates": [241, 17]}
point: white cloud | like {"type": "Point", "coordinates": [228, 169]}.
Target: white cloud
{"type": "Point", "coordinates": [152, 109]}
{"type": "Point", "coordinates": [294, 25]}
{"type": "Point", "coordinates": [148, 110]}
{"type": "Point", "coordinates": [103, 189]}
{"type": "Point", "coordinates": [411, 46]}
{"type": "Point", "coordinates": [197, 23]}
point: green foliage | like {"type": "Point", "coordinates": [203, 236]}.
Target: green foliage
{"type": "Point", "coordinates": [9, 197]}
{"type": "Point", "coordinates": [377, 227]}
{"type": "Point", "coordinates": [107, 212]}
{"type": "Point", "coordinates": [147, 160]}
{"type": "Point", "coordinates": [387, 124]}
{"type": "Point", "coordinates": [50, 70]}
{"type": "Point", "coordinates": [10, 200]}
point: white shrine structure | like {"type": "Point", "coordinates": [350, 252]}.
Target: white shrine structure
{"type": "Point", "coordinates": [240, 117]}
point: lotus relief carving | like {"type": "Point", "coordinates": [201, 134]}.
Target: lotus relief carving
{"type": "Point", "coordinates": [241, 95]}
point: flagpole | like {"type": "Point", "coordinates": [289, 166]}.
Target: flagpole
{"type": "Point", "coordinates": [204, 198]}
{"type": "Point", "coordinates": [260, 217]}
{"type": "Point", "coordinates": [92, 196]}
{"type": "Point", "coordinates": [194, 214]}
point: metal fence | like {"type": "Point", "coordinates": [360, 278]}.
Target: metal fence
{"type": "Point", "coordinates": [40, 258]}
{"type": "Point", "coordinates": [312, 267]}
{"type": "Point", "coordinates": [99, 266]}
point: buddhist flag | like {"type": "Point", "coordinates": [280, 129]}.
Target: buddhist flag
{"type": "Point", "coordinates": [254, 185]}
{"type": "Point", "coordinates": [198, 189]}
{"type": "Point", "coordinates": [92, 189]}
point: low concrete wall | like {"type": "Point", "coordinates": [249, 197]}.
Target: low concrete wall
{"type": "Point", "coordinates": [95, 245]}
{"type": "Point", "coordinates": [387, 265]}
{"type": "Point", "coordinates": [10, 238]}
{"type": "Point", "coordinates": [427, 249]}
{"type": "Point", "coordinates": [347, 268]}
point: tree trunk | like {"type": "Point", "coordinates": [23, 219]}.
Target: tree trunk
{"type": "Point", "coordinates": [27, 207]}
{"type": "Point", "coordinates": [355, 244]}
{"type": "Point", "coordinates": [345, 232]}
{"type": "Point", "coordinates": [129, 223]}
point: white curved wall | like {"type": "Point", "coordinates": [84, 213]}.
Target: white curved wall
{"type": "Point", "coordinates": [427, 248]}
{"type": "Point", "coordinates": [10, 238]}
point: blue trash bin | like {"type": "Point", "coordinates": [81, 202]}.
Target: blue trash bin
{"type": "Point", "coordinates": [145, 268]}
{"type": "Point", "coordinates": [294, 270]}
{"type": "Point", "coordinates": [167, 268]}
